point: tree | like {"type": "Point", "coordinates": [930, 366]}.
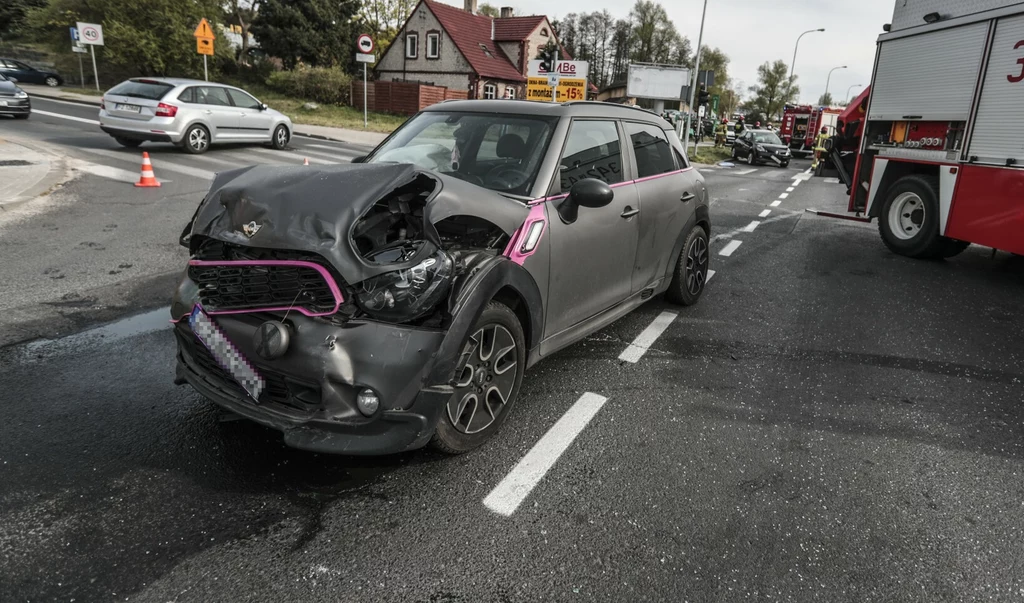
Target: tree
{"type": "Point", "coordinates": [13, 13]}
{"type": "Point", "coordinates": [383, 18]}
{"type": "Point", "coordinates": [488, 10]}
{"type": "Point", "coordinates": [316, 32]}
{"type": "Point", "coordinates": [136, 43]}
{"type": "Point", "coordinates": [242, 13]}
{"type": "Point", "coordinates": [825, 100]}
{"type": "Point", "coordinates": [774, 89]}
{"type": "Point", "coordinates": [655, 38]}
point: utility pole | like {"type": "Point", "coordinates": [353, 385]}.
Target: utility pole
{"type": "Point", "coordinates": [693, 88]}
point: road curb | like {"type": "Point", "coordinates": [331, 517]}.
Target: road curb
{"type": "Point", "coordinates": [77, 101]}
{"type": "Point", "coordinates": [57, 174]}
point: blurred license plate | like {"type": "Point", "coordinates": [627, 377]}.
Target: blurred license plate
{"type": "Point", "coordinates": [3, 103]}
{"type": "Point", "coordinates": [132, 108]}
{"type": "Point", "coordinates": [225, 353]}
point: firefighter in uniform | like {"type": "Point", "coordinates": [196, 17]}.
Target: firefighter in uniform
{"type": "Point", "coordinates": [720, 132]}
{"type": "Point", "coordinates": [819, 147]}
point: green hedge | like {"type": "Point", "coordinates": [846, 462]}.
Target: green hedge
{"type": "Point", "coordinates": [320, 84]}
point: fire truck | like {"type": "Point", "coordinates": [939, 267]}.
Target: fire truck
{"type": "Point", "coordinates": [934, 149]}
{"type": "Point", "coordinates": [801, 124]}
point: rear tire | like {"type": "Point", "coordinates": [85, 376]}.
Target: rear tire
{"type": "Point", "coordinates": [909, 222]}
{"type": "Point", "coordinates": [127, 142]}
{"type": "Point", "coordinates": [691, 270]}
{"type": "Point", "coordinates": [483, 382]}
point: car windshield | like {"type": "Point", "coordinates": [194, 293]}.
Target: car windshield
{"type": "Point", "coordinates": [501, 152]}
{"type": "Point", "coordinates": [148, 89]}
{"type": "Point", "coordinates": [766, 138]}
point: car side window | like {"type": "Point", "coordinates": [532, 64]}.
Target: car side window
{"type": "Point", "coordinates": [592, 150]}
{"type": "Point", "coordinates": [212, 95]}
{"type": "Point", "coordinates": [188, 95]}
{"type": "Point", "coordinates": [243, 100]}
{"type": "Point", "coordinates": [651, 148]}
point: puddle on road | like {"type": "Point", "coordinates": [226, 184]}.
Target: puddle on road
{"type": "Point", "coordinates": [139, 324]}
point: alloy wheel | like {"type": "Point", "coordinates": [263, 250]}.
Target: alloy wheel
{"type": "Point", "coordinates": [52, 82]}
{"type": "Point", "coordinates": [282, 137]}
{"type": "Point", "coordinates": [485, 385]}
{"type": "Point", "coordinates": [197, 139]}
{"type": "Point", "coordinates": [696, 265]}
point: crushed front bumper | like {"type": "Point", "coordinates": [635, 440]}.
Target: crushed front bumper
{"type": "Point", "coordinates": [311, 390]}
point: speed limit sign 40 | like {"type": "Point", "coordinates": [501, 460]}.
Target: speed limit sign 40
{"type": "Point", "coordinates": [364, 43]}
{"type": "Point", "coordinates": [90, 33]}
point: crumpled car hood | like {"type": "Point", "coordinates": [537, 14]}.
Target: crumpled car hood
{"type": "Point", "coordinates": [313, 208]}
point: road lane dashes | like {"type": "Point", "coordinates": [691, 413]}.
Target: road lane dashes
{"type": "Point", "coordinates": [157, 166]}
{"type": "Point", "coordinates": [764, 213]}
{"type": "Point", "coordinates": [776, 203]}
{"type": "Point", "coordinates": [732, 246]}
{"type": "Point", "coordinates": [643, 342]}
{"type": "Point", "coordinates": [744, 172]}
{"type": "Point", "coordinates": [517, 485]}
{"type": "Point", "coordinates": [70, 117]}
{"type": "Point", "coordinates": [751, 227]}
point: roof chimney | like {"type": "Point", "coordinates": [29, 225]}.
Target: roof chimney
{"type": "Point", "coordinates": [471, 7]}
{"type": "Point", "coordinates": [506, 12]}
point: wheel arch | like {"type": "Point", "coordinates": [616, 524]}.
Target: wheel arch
{"type": "Point", "coordinates": [700, 217]}
{"type": "Point", "coordinates": [892, 171]}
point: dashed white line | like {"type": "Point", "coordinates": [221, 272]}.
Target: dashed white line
{"type": "Point", "coordinates": [732, 246]}
{"type": "Point", "coordinates": [517, 485]}
{"type": "Point", "coordinates": [796, 182]}
{"type": "Point", "coordinates": [71, 117]}
{"type": "Point", "coordinates": [646, 339]}
{"type": "Point", "coordinates": [790, 189]}
{"type": "Point", "coordinates": [783, 195]}
{"type": "Point", "coordinates": [711, 273]}
{"type": "Point", "coordinates": [776, 203]}
{"type": "Point", "coordinates": [750, 227]}
{"type": "Point", "coordinates": [764, 214]}
{"type": "Point", "coordinates": [159, 165]}
{"type": "Point", "coordinates": [745, 172]}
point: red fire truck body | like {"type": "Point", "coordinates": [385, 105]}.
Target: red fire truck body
{"type": "Point", "coordinates": [934, 148]}
{"type": "Point", "coordinates": [801, 124]}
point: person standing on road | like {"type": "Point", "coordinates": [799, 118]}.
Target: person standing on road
{"type": "Point", "coordinates": [819, 148]}
{"type": "Point", "coordinates": [720, 133]}
{"type": "Point", "coordinates": [738, 128]}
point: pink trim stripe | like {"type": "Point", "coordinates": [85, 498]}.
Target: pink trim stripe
{"type": "Point", "coordinates": [616, 185]}
{"type": "Point", "coordinates": [331, 283]}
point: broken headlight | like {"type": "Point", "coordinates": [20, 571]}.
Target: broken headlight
{"type": "Point", "coordinates": [407, 294]}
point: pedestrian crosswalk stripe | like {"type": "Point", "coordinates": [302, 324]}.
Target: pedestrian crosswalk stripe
{"type": "Point", "coordinates": [159, 165]}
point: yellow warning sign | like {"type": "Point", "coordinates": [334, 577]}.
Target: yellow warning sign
{"type": "Point", "coordinates": [204, 31]}
{"type": "Point", "coordinates": [569, 89]}
{"type": "Point", "coordinates": [204, 46]}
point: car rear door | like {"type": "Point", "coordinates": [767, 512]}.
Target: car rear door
{"type": "Point", "coordinates": [217, 112]}
{"type": "Point", "coordinates": [665, 185]}
{"type": "Point", "coordinates": [253, 122]}
{"type": "Point", "coordinates": [592, 258]}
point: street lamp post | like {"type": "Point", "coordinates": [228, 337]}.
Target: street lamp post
{"type": "Point", "coordinates": [829, 79]}
{"type": "Point", "coordinates": [848, 92]}
{"type": "Point", "coordinates": [792, 63]}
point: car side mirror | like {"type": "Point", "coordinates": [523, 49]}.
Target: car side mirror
{"type": "Point", "coordinates": [589, 192]}
{"type": "Point", "coordinates": [360, 159]}
{"type": "Point", "coordinates": [263, 107]}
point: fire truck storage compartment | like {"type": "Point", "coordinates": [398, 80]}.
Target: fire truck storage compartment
{"type": "Point", "coordinates": [931, 76]}
{"type": "Point", "coordinates": [997, 137]}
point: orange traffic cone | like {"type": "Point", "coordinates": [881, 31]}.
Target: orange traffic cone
{"type": "Point", "coordinates": [305, 161]}
{"type": "Point", "coordinates": [147, 178]}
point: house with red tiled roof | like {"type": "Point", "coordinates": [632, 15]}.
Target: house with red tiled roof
{"type": "Point", "coordinates": [445, 45]}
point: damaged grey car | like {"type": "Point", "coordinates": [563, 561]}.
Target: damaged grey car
{"type": "Point", "coordinates": [385, 305]}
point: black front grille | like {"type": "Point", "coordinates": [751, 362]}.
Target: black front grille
{"type": "Point", "coordinates": [251, 287]}
{"type": "Point", "coordinates": [278, 390]}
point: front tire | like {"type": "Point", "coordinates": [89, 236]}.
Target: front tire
{"type": "Point", "coordinates": [196, 140]}
{"type": "Point", "coordinates": [750, 158]}
{"type": "Point", "coordinates": [909, 222]}
{"type": "Point", "coordinates": [487, 387]}
{"type": "Point", "coordinates": [691, 271]}
{"type": "Point", "coordinates": [280, 138]}
{"type": "Point", "coordinates": [127, 142]}
{"type": "Point", "coordinates": [52, 81]}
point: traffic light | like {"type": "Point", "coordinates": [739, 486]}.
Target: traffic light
{"type": "Point", "coordinates": [547, 60]}
{"type": "Point", "coordinates": [702, 97]}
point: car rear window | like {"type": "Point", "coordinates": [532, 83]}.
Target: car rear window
{"type": "Point", "coordinates": [149, 89]}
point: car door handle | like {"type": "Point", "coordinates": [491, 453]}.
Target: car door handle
{"type": "Point", "coordinates": [687, 196]}
{"type": "Point", "coordinates": [208, 112]}
{"type": "Point", "coordinates": [629, 212]}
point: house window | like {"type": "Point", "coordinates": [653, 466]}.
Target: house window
{"type": "Point", "coordinates": [490, 91]}
{"type": "Point", "coordinates": [544, 32]}
{"type": "Point", "coordinates": [510, 92]}
{"type": "Point", "coordinates": [412, 45]}
{"type": "Point", "coordinates": [433, 45]}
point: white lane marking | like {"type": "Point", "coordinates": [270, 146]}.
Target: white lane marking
{"type": "Point", "coordinates": [113, 173]}
{"type": "Point", "coordinates": [71, 117]}
{"type": "Point", "coordinates": [790, 189]}
{"type": "Point", "coordinates": [776, 203]}
{"type": "Point", "coordinates": [339, 158]}
{"type": "Point", "coordinates": [745, 172]}
{"type": "Point", "coordinates": [64, 102]}
{"type": "Point", "coordinates": [783, 195]}
{"type": "Point", "coordinates": [290, 157]}
{"type": "Point", "coordinates": [807, 171]}
{"type": "Point", "coordinates": [711, 273]}
{"type": "Point", "coordinates": [353, 152]}
{"type": "Point", "coordinates": [731, 247]}
{"type": "Point", "coordinates": [517, 485]}
{"type": "Point", "coordinates": [750, 227]}
{"type": "Point", "coordinates": [647, 337]}
{"type": "Point", "coordinates": [831, 181]}
{"type": "Point", "coordinates": [796, 183]}
{"type": "Point", "coordinates": [158, 165]}
{"type": "Point", "coordinates": [764, 214]}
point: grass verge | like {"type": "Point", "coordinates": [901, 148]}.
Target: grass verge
{"type": "Point", "coordinates": [338, 116]}
{"type": "Point", "coordinates": [711, 155]}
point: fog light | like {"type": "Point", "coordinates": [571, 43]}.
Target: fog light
{"type": "Point", "coordinates": [368, 402]}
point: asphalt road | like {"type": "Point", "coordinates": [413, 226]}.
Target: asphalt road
{"type": "Point", "coordinates": [830, 423]}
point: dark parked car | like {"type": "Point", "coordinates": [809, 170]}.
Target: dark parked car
{"type": "Point", "coordinates": [761, 146]}
{"type": "Point", "coordinates": [380, 306]}
{"type": "Point", "coordinates": [27, 74]}
{"type": "Point", "coordinates": [13, 100]}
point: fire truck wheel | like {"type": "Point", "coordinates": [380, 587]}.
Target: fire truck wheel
{"type": "Point", "coordinates": [909, 222]}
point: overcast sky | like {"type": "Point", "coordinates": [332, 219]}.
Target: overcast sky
{"type": "Point", "coordinates": [751, 32]}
